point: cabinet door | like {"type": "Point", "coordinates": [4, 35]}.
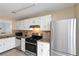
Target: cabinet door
{"type": "Point", "coordinates": [39, 49]}
{"type": "Point", "coordinates": [36, 21]}
{"type": "Point", "coordinates": [26, 24]}
{"type": "Point", "coordinates": [22, 25]}
{"type": "Point", "coordinates": [18, 25]}
{"type": "Point", "coordinates": [12, 42]}
{"type": "Point", "coordinates": [48, 23]}
{"type": "Point", "coordinates": [23, 44]}
{"type": "Point", "coordinates": [45, 22]}
{"type": "Point", "coordinates": [43, 49]}
{"type": "Point", "coordinates": [9, 43]}
{"type": "Point", "coordinates": [1, 46]}
{"type": "Point", "coordinates": [46, 49]}
{"type": "Point", "coordinates": [32, 21]}
{"type": "Point", "coordinates": [18, 43]}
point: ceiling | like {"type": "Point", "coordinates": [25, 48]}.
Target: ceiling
{"type": "Point", "coordinates": [21, 10]}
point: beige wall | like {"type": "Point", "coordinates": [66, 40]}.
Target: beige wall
{"type": "Point", "coordinates": [64, 13]}
{"type": "Point", "coordinates": [11, 20]}
{"type": "Point", "coordinates": [13, 25]}
{"type": "Point", "coordinates": [77, 11]}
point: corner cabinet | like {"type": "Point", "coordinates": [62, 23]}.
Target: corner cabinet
{"type": "Point", "coordinates": [7, 44]}
{"type": "Point", "coordinates": [43, 21]}
{"type": "Point", "coordinates": [43, 48]}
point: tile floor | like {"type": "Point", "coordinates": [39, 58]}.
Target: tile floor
{"type": "Point", "coordinates": [15, 52]}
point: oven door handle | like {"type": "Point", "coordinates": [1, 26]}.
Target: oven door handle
{"type": "Point", "coordinates": [31, 43]}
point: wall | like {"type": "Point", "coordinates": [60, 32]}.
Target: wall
{"type": "Point", "coordinates": [64, 13]}
{"type": "Point", "coordinates": [77, 11]}
{"type": "Point", "coordinates": [13, 22]}
{"type": "Point", "coordinates": [13, 26]}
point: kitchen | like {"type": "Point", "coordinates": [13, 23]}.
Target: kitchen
{"type": "Point", "coordinates": [25, 39]}
{"type": "Point", "coordinates": [27, 29]}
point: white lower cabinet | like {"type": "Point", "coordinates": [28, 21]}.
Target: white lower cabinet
{"type": "Point", "coordinates": [43, 49]}
{"type": "Point", "coordinates": [2, 46]}
{"type": "Point", "coordinates": [22, 44]}
{"type": "Point", "coordinates": [11, 41]}
{"type": "Point", "coordinates": [7, 43]}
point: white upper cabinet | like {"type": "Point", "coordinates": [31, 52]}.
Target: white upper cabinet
{"type": "Point", "coordinates": [36, 21]}
{"type": "Point", "coordinates": [43, 21]}
{"type": "Point", "coordinates": [20, 25]}
{"type": "Point", "coordinates": [25, 25]}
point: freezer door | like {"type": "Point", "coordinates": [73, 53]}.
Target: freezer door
{"type": "Point", "coordinates": [61, 39]}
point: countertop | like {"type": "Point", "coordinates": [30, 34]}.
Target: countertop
{"type": "Point", "coordinates": [10, 35]}
{"type": "Point", "coordinates": [6, 36]}
{"type": "Point", "coordinates": [22, 36]}
{"type": "Point", "coordinates": [46, 40]}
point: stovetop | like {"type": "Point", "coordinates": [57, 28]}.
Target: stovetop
{"type": "Point", "coordinates": [33, 39]}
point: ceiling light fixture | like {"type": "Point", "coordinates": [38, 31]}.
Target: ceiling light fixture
{"type": "Point", "coordinates": [14, 12]}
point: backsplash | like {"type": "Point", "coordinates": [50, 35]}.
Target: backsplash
{"type": "Point", "coordinates": [46, 34]}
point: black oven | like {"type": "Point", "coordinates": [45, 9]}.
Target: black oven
{"type": "Point", "coordinates": [31, 47]}
{"type": "Point", "coordinates": [31, 43]}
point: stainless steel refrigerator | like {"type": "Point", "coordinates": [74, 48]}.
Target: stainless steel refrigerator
{"type": "Point", "coordinates": [65, 37]}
